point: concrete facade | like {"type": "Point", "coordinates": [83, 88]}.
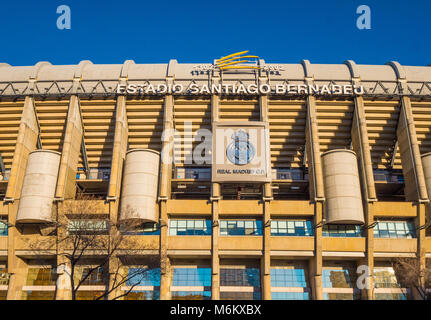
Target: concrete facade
{"type": "Point", "coordinates": [77, 112]}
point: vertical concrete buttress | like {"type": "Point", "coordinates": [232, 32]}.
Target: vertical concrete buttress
{"type": "Point", "coordinates": [215, 197]}
{"type": "Point", "coordinates": [267, 197]}
{"type": "Point", "coordinates": [316, 189]}
{"type": "Point", "coordinates": [26, 142]}
{"type": "Point", "coordinates": [165, 183]}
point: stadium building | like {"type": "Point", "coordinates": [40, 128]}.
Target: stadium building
{"type": "Point", "coordinates": [319, 173]}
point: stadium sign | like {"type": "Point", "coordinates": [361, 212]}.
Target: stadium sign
{"type": "Point", "coordinates": [239, 89]}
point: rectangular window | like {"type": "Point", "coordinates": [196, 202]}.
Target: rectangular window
{"type": "Point", "coordinates": [4, 276]}
{"type": "Point", "coordinates": [192, 277]}
{"type": "Point", "coordinates": [3, 228]}
{"type": "Point", "coordinates": [89, 295]}
{"type": "Point", "coordinates": [191, 295]}
{"type": "Point", "coordinates": [240, 227]}
{"type": "Point", "coordinates": [288, 277]}
{"type": "Point", "coordinates": [248, 279]}
{"type": "Point", "coordinates": [291, 228]}
{"type": "Point", "coordinates": [95, 277]}
{"type": "Point", "coordinates": [40, 277]}
{"type": "Point", "coordinates": [395, 229]}
{"type": "Point", "coordinates": [290, 296]}
{"type": "Point", "coordinates": [88, 226]}
{"type": "Point", "coordinates": [191, 283]}
{"type": "Point", "coordinates": [240, 296]}
{"type": "Point", "coordinates": [143, 277]}
{"type": "Point", "coordinates": [339, 283]}
{"type": "Point", "coordinates": [38, 295]}
{"type": "Point", "coordinates": [384, 277]}
{"type": "Point", "coordinates": [387, 286]}
{"type": "Point", "coordinates": [146, 229]}
{"type": "Point", "coordinates": [342, 230]}
{"type": "Point", "coordinates": [143, 295]}
{"type": "Point", "coordinates": [289, 283]}
{"type": "Point", "coordinates": [189, 227]}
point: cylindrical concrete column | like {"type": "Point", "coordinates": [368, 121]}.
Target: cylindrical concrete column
{"type": "Point", "coordinates": [426, 164]}
{"type": "Point", "coordinates": [140, 185]}
{"type": "Point", "coordinates": [342, 187]}
{"type": "Point", "coordinates": [38, 188]}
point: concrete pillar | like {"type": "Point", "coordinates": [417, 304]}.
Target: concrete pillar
{"type": "Point", "coordinates": [368, 292]}
{"type": "Point", "coordinates": [66, 188]}
{"type": "Point", "coordinates": [421, 247]}
{"type": "Point", "coordinates": [120, 146]}
{"type": "Point", "coordinates": [26, 142]}
{"type": "Point", "coordinates": [316, 193]}
{"type": "Point", "coordinates": [361, 146]}
{"type": "Point", "coordinates": [165, 186]}
{"type": "Point", "coordinates": [266, 258]}
{"type": "Point", "coordinates": [267, 197]}
{"type": "Point", "coordinates": [215, 260]}
{"type": "Point", "coordinates": [317, 263]}
{"type": "Point", "coordinates": [415, 187]}
{"type": "Point", "coordinates": [215, 197]}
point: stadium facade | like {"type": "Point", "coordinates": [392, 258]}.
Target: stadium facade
{"type": "Point", "coordinates": [343, 178]}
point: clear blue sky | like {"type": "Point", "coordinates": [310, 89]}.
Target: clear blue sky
{"type": "Point", "coordinates": [200, 31]}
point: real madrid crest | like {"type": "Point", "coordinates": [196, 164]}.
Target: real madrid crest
{"type": "Point", "coordinates": [240, 151]}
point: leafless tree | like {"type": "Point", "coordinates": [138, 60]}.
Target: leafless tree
{"type": "Point", "coordinates": [410, 275]}
{"type": "Point", "coordinates": [80, 232]}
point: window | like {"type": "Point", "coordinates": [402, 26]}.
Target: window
{"type": "Point", "coordinates": [240, 227]}
{"type": "Point", "coordinates": [337, 278]}
{"type": "Point", "coordinates": [394, 229]}
{"type": "Point", "coordinates": [88, 226]}
{"type": "Point", "coordinates": [284, 277]}
{"type": "Point", "coordinates": [341, 230]}
{"type": "Point", "coordinates": [89, 295]}
{"type": "Point", "coordinates": [290, 296]}
{"type": "Point", "coordinates": [240, 277]}
{"type": "Point", "coordinates": [144, 277]}
{"type": "Point", "coordinates": [387, 286]}
{"type": "Point", "coordinates": [289, 283]}
{"type": "Point", "coordinates": [38, 295]}
{"type": "Point", "coordinates": [40, 277]}
{"type": "Point", "coordinates": [247, 278]}
{"type": "Point", "coordinates": [385, 278]}
{"type": "Point", "coordinates": [96, 277]}
{"type": "Point", "coordinates": [4, 276]}
{"type": "Point", "coordinates": [147, 229]}
{"type": "Point", "coordinates": [143, 295]}
{"type": "Point", "coordinates": [339, 283]}
{"type": "Point", "coordinates": [3, 228]}
{"type": "Point", "coordinates": [240, 296]}
{"type": "Point", "coordinates": [188, 227]}
{"type": "Point", "coordinates": [291, 228]}
{"type": "Point", "coordinates": [194, 278]}
{"type": "Point", "coordinates": [193, 173]}
{"type": "Point", "coordinates": [94, 173]}
{"type": "Point", "coordinates": [287, 174]}
{"type": "Point", "coordinates": [191, 295]}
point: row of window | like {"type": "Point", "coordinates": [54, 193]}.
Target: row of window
{"type": "Point", "coordinates": [179, 227]}
{"type": "Point", "coordinates": [293, 280]}
{"type": "Point", "coordinates": [287, 282]}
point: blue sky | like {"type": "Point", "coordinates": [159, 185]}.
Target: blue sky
{"type": "Point", "coordinates": [200, 31]}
